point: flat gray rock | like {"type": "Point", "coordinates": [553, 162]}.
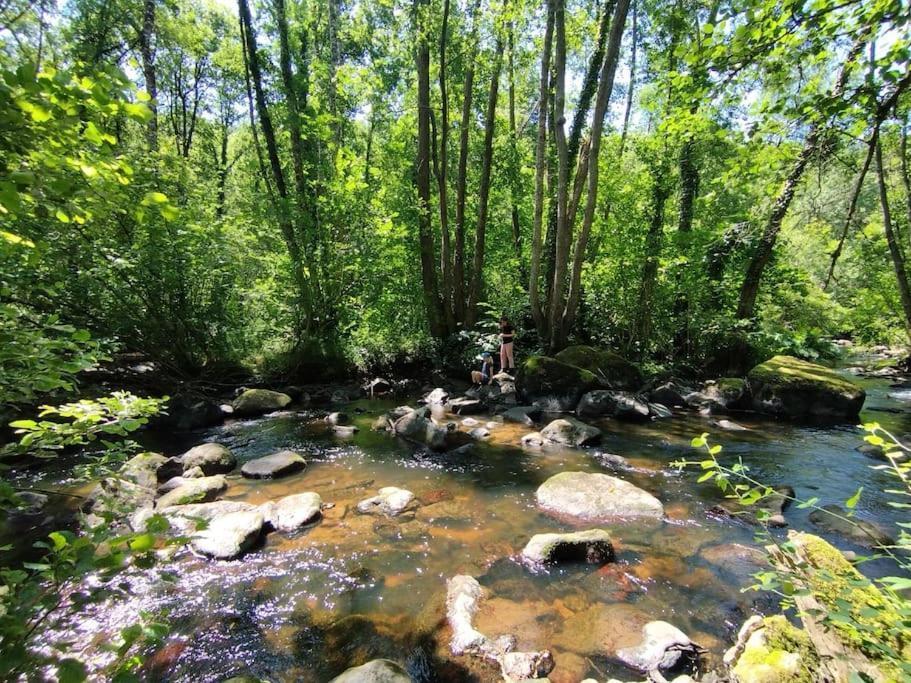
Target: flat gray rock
{"type": "Point", "coordinates": [661, 648]}
{"type": "Point", "coordinates": [229, 536]}
{"type": "Point", "coordinates": [525, 415]}
{"type": "Point", "coordinates": [596, 496]}
{"type": "Point", "coordinates": [279, 464]}
{"type": "Point", "coordinates": [202, 490]}
{"type": "Point", "coordinates": [292, 512]}
{"type": "Point", "coordinates": [570, 432]}
{"type": "Point", "coordinates": [211, 458]}
{"type": "Point", "coordinates": [389, 501]}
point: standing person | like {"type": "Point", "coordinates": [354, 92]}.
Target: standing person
{"type": "Point", "coordinates": [483, 375]}
{"type": "Point", "coordinates": [507, 336]}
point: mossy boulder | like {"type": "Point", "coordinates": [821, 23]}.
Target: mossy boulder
{"type": "Point", "coordinates": [259, 401]}
{"type": "Point", "coordinates": [610, 369]}
{"type": "Point", "coordinates": [552, 383]}
{"type": "Point", "coordinates": [728, 393]}
{"type": "Point", "coordinates": [789, 387]}
{"type": "Point", "coordinates": [776, 651]}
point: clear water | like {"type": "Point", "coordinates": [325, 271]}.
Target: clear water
{"type": "Point", "coordinates": [305, 606]}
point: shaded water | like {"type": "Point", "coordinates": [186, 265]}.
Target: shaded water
{"type": "Point", "coordinates": [353, 587]}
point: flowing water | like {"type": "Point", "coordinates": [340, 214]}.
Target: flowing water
{"type": "Point", "coordinates": [305, 606]}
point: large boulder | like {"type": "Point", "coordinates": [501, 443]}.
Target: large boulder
{"type": "Point", "coordinates": [526, 415]}
{"type": "Point", "coordinates": [417, 426]}
{"type": "Point", "coordinates": [292, 512]}
{"type": "Point", "coordinates": [200, 490]}
{"type": "Point", "coordinates": [670, 393]}
{"type": "Point", "coordinates": [611, 370]}
{"type": "Point", "coordinates": [186, 519]}
{"type": "Point", "coordinates": [570, 432]}
{"type": "Point", "coordinates": [211, 458]}
{"type": "Point", "coordinates": [259, 401]}
{"type": "Point", "coordinates": [622, 405]}
{"type": "Point", "coordinates": [771, 649]}
{"type": "Point", "coordinates": [592, 497]}
{"type": "Point", "coordinates": [552, 383]}
{"type": "Point", "coordinates": [789, 387]}
{"type": "Point", "coordinates": [727, 393]}
{"type": "Point", "coordinates": [229, 536]}
{"type": "Point", "coordinates": [143, 469]}
{"type": "Point", "coordinates": [279, 464]}
{"type": "Point", "coordinates": [375, 671]}
{"type": "Point", "coordinates": [592, 546]}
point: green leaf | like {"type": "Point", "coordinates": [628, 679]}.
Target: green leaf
{"type": "Point", "coordinates": [71, 671]}
{"type": "Point", "coordinates": [142, 543]}
{"type": "Point", "coordinates": [59, 540]}
{"type": "Point", "coordinates": [851, 503]}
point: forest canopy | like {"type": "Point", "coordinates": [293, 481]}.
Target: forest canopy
{"type": "Point", "coordinates": [301, 186]}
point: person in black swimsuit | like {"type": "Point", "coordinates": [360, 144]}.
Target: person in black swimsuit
{"type": "Point", "coordinates": [507, 336]}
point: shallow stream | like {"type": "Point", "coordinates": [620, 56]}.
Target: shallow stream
{"type": "Point", "coordinates": [306, 606]}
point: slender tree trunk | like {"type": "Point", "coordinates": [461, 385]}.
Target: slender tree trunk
{"type": "Point", "coordinates": [589, 85]}
{"type": "Point", "coordinates": [898, 259]}
{"type": "Point", "coordinates": [605, 88]}
{"type": "Point", "coordinates": [222, 171]}
{"type": "Point", "coordinates": [265, 120]}
{"type": "Point", "coordinates": [514, 155]}
{"type": "Point", "coordinates": [432, 301]}
{"type": "Point", "coordinates": [632, 78]}
{"type": "Point", "coordinates": [443, 182]}
{"type": "Point", "coordinates": [459, 295]}
{"type": "Point", "coordinates": [689, 190]}
{"type": "Point", "coordinates": [763, 254]}
{"type": "Point", "coordinates": [660, 193]}
{"type": "Point", "coordinates": [852, 205]}
{"type": "Point", "coordinates": [251, 112]}
{"type": "Point", "coordinates": [534, 286]}
{"type": "Point", "coordinates": [905, 172]}
{"type": "Point", "coordinates": [147, 53]}
{"type": "Point", "coordinates": [484, 190]}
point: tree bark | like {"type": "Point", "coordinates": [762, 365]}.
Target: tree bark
{"type": "Point", "coordinates": [605, 88]}
{"type": "Point", "coordinates": [898, 259]}
{"type": "Point", "coordinates": [660, 193]}
{"type": "Point", "coordinates": [432, 301]}
{"type": "Point", "coordinates": [514, 143]}
{"type": "Point", "coordinates": [905, 172]}
{"type": "Point", "coordinates": [484, 190]}
{"type": "Point", "coordinates": [147, 53]}
{"type": "Point", "coordinates": [632, 79]}
{"type": "Point", "coordinates": [540, 166]}
{"type": "Point", "coordinates": [763, 254]}
{"type": "Point", "coordinates": [443, 182]}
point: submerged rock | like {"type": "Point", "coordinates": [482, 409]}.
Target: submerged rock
{"type": "Point", "coordinates": [375, 671]}
{"type": "Point", "coordinates": [768, 510]}
{"type": "Point", "coordinates": [466, 406]}
{"type": "Point", "coordinates": [389, 501]}
{"type": "Point", "coordinates": [832, 518]}
{"type": "Point", "coordinates": [463, 593]}
{"type": "Point", "coordinates": [622, 405]}
{"type": "Point", "coordinates": [259, 401]}
{"type": "Point", "coordinates": [611, 370]}
{"type": "Point", "coordinates": [345, 430]}
{"type": "Point", "coordinates": [202, 490]}
{"type": "Point", "coordinates": [337, 418]}
{"type": "Point", "coordinates": [525, 415]}
{"type": "Point", "coordinates": [292, 512]}
{"type": "Point", "coordinates": [587, 496]}
{"type": "Point", "coordinates": [662, 647]}
{"type": "Point", "coordinates": [592, 547]}
{"type": "Point", "coordinates": [793, 388]}
{"type": "Point", "coordinates": [416, 426]}
{"type": "Point", "coordinates": [279, 464]}
{"type": "Point", "coordinates": [553, 383]}
{"type": "Point", "coordinates": [230, 535]}
{"type": "Point", "coordinates": [533, 440]}
{"type": "Point", "coordinates": [523, 666]}
{"type": "Point", "coordinates": [571, 432]}
{"type": "Point", "coordinates": [479, 433]}
{"type": "Point", "coordinates": [211, 458]}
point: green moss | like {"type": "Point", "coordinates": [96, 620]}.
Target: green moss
{"type": "Point", "coordinates": [731, 384]}
{"type": "Point", "coordinates": [835, 582]}
{"type": "Point", "coordinates": [785, 654]}
{"type": "Point", "coordinates": [787, 371]}
{"type": "Point", "coordinates": [555, 371]}
{"type": "Point", "coordinates": [606, 365]}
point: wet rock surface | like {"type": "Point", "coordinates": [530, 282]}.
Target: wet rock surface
{"type": "Point", "coordinates": [593, 547]}
{"type": "Point", "coordinates": [586, 496]}
{"type": "Point", "coordinates": [279, 464]}
{"type": "Point", "coordinates": [254, 402]}
{"type": "Point", "coordinates": [571, 432]}
{"type": "Point", "coordinates": [211, 458]}
{"type": "Point", "coordinates": [292, 512]}
{"type": "Point", "coordinates": [230, 535]}
{"type": "Point", "coordinates": [200, 490]}
{"type": "Point", "coordinates": [389, 501]}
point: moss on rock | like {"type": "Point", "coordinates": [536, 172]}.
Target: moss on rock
{"type": "Point", "coordinates": [777, 651]}
{"type": "Point", "coordinates": [608, 367]}
{"type": "Point", "coordinates": [259, 401]}
{"type": "Point", "coordinates": [790, 387]}
{"type": "Point", "coordinates": [548, 379]}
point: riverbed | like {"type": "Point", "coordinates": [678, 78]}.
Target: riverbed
{"type": "Point", "coordinates": [305, 606]}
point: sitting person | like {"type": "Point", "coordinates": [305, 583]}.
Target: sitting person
{"type": "Point", "coordinates": [483, 375]}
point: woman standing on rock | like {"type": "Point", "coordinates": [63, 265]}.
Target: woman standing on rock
{"type": "Point", "coordinates": [507, 335]}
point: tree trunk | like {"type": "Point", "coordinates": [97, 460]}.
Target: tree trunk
{"type": "Point", "coordinates": [689, 190]}
{"type": "Point", "coordinates": [432, 301]}
{"type": "Point", "coordinates": [458, 269]}
{"type": "Point", "coordinates": [540, 166]}
{"type": "Point", "coordinates": [898, 259]}
{"type": "Point", "coordinates": [484, 190]}
{"type": "Point", "coordinates": [763, 254]}
{"type": "Point", "coordinates": [852, 205]}
{"type": "Point", "coordinates": [905, 172]}
{"type": "Point", "coordinates": [605, 88]}
{"type": "Point", "coordinates": [514, 156]}
{"type": "Point", "coordinates": [442, 180]}
{"type": "Point", "coordinates": [632, 79]}
{"type": "Point", "coordinates": [147, 53]}
{"type": "Point", "coordinates": [660, 193]}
